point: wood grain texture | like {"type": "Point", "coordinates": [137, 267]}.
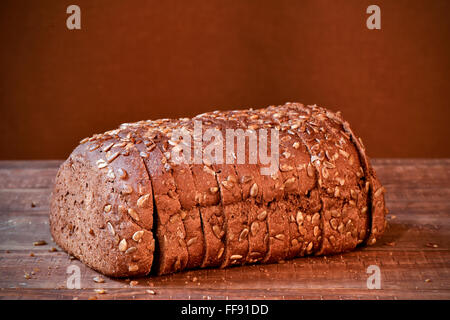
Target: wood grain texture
{"type": "Point", "coordinates": [413, 255]}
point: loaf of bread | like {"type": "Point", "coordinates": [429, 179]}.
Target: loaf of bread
{"type": "Point", "coordinates": [125, 206]}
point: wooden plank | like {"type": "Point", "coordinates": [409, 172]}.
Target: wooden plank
{"type": "Point", "coordinates": [30, 164]}
{"type": "Point", "coordinates": [418, 197]}
{"type": "Point", "coordinates": [404, 272]}
{"type": "Point", "coordinates": [27, 178]}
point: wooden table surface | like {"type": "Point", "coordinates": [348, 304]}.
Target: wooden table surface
{"type": "Point", "coordinates": [413, 256]}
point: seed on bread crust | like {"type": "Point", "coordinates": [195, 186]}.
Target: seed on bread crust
{"type": "Point", "coordinates": [122, 173]}
{"type": "Point", "coordinates": [137, 235]}
{"type": "Point", "coordinates": [133, 267]}
{"type": "Point", "coordinates": [127, 189]}
{"type": "Point", "coordinates": [142, 202]}
{"type": "Point", "coordinates": [107, 208]}
{"type": "Point", "coordinates": [101, 163]}
{"type": "Point", "coordinates": [280, 236]}
{"type": "Point", "coordinates": [262, 215]}
{"type": "Point", "coordinates": [254, 227]}
{"type": "Point", "coordinates": [133, 214]}
{"type": "Point", "coordinates": [310, 170]}
{"type": "Point", "coordinates": [254, 190]}
{"type": "Point", "coordinates": [243, 234]}
{"type": "Point", "coordinates": [123, 245]}
{"type": "Point", "coordinates": [111, 228]}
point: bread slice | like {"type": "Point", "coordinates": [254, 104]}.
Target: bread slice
{"type": "Point", "coordinates": [340, 215]}
{"type": "Point", "coordinates": [170, 232]}
{"type": "Point", "coordinates": [207, 198]}
{"type": "Point", "coordinates": [374, 189]}
{"type": "Point", "coordinates": [102, 207]}
{"type": "Point", "coordinates": [304, 215]}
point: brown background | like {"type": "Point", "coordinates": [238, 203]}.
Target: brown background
{"type": "Point", "coordinates": [136, 60]}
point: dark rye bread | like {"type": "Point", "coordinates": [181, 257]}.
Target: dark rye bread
{"type": "Point", "coordinates": [102, 207]}
{"type": "Point", "coordinates": [170, 232]}
{"type": "Point", "coordinates": [323, 197]}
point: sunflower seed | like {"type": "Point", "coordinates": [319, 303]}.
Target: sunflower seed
{"type": "Point", "coordinates": [133, 214]}
{"type": "Point", "coordinates": [289, 183]}
{"type": "Point", "coordinates": [236, 257]}
{"type": "Point", "coordinates": [122, 173]}
{"type": "Point", "coordinates": [254, 190]}
{"type": "Point", "coordinates": [138, 235]}
{"type": "Point", "coordinates": [216, 231]}
{"type": "Point", "coordinates": [191, 241]}
{"type": "Point", "coordinates": [280, 236]}
{"type": "Point", "coordinates": [98, 279]}
{"type": "Point", "coordinates": [123, 245]}
{"type": "Point", "coordinates": [262, 215]}
{"type": "Point", "coordinates": [294, 242]}
{"type": "Point", "coordinates": [133, 267]}
{"type": "Point", "coordinates": [221, 250]}
{"type": "Point", "coordinates": [107, 208]}
{"type": "Point", "coordinates": [131, 250]}
{"type": "Point", "coordinates": [341, 228]}
{"type": "Point", "coordinates": [110, 175]}
{"type": "Point", "coordinates": [316, 231]}
{"type": "Point", "coordinates": [142, 202]}
{"type": "Point", "coordinates": [111, 228]}
{"type": "Point", "coordinates": [127, 189]}
{"type": "Point", "coordinates": [254, 227]}
{"type": "Point", "coordinates": [378, 192]}
{"type": "Point", "coordinates": [108, 147]}
{"type": "Point", "coordinates": [310, 170]}
{"type": "Point", "coordinates": [334, 224]}
{"type": "Point", "coordinates": [101, 163]}
{"type": "Point", "coordinates": [299, 218]}
{"type": "Point", "coordinates": [315, 218]}
{"type": "Point", "coordinates": [296, 145]}
{"type": "Point", "coordinates": [243, 234]}
{"type": "Point", "coordinates": [110, 157]}
{"type": "Point", "coordinates": [245, 179]}
{"type": "Point", "coordinates": [309, 247]}
{"type": "Point", "coordinates": [285, 168]}
{"type": "Point", "coordinates": [213, 190]}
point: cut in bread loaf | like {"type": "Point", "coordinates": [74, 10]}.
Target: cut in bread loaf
{"type": "Point", "coordinates": [125, 206]}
